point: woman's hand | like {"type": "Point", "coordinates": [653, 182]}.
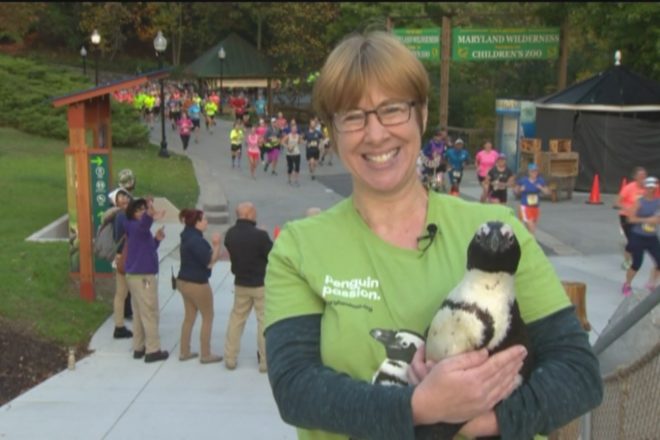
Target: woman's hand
{"type": "Point", "coordinates": [160, 233]}
{"type": "Point", "coordinates": [464, 386]}
{"type": "Point", "coordinates": [419, 367]}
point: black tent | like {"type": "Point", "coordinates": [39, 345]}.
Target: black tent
{"type": "Point", "coordinates": [613, 119]}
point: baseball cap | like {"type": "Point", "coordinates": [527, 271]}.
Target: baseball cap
{"type": "Point", "coordinates": [501, 156]}
{"type": "Point", "coordinates": [273, 119]}
{"type": "Point", "coordinates": [532, 167]}
{"type": "Point", "coordinates": [459, 141]}
{"type": "Point", "coordinates": [650, 182]}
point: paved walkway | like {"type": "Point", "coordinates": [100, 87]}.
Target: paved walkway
{"type": "Point", "coordinates": [109, 395]}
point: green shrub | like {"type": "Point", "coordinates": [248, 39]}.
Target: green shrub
{"type": "Point", "coordinates": [26, 92]}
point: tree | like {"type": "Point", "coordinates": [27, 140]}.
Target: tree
{"type": "Point", "coordinates": [111, 20]}
{"type": "Point", "coordinates": [17, 19]}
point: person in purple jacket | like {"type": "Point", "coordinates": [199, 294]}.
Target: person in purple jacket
{"type": "Point", "coordinates": [141, 276]}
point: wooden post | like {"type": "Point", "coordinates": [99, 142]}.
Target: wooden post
{"type": "Point", "coordinates": [388, 24]}
{"type": "Point", "coordinates": [445, 56]}
{"type": "Point", "coordinates": [563, 55]}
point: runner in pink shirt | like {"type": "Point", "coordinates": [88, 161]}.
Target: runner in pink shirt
{"type": "Point", "coordinates": [485, 160]}
{"type": "Point", "coordinates": [253, 143]}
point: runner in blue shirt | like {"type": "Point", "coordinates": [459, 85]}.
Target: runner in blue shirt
{"type": "Point", "coordinates": [456, 157]}
{"type": "Point", "coordinates": [530, 188]}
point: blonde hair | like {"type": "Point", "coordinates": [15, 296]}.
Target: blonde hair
{"type": "Point", "coordinates": [376, 58]}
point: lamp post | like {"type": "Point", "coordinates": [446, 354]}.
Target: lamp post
{"type": "Point", "coordinates": [96, 40]}
{"type": "Point", "coordinates": [160, 44]}
{"type": "Point", "coordinates": [83, 54]}
{"type": "Point", "coordinates": [221, 56]}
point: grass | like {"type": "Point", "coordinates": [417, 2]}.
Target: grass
{"type": "Point", "coordinates": [36, 290]}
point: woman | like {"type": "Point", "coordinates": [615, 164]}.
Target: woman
{"type": "Point", "coordinates": [262, 129]}
{"type": "Point", "coordinates": [197, 259]}
{"type": "Point", "coordinates": [141, 276]}
{"type": "Point", "coordinates": [236, 136]}
{"type": "Point", "coordinates": [272, 145]}
{"type": "Point", "coordinates": [313, 139]}
{"type": "Point", "coordinates": [335, 299]}
{"type": "Point", "coordinates": [292, 144]}
{"type": "Point", "coordinates": [498, 181]}
{"type": "Point", "coordinates": [185, 126]}
{"type": "Point", "coordinates": [253, 142]}
{"type": "Point", "coordinates": [530, 188]}
{"type": "Point", "coordinates": [644, 217]}
{"type": "Point", "coordinates": [485, 160]}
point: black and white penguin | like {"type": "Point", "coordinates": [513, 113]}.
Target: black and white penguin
{"type": "Point", "coordinates": [400, 347]}
{"type": "Point", "coordinates": [481, 311]}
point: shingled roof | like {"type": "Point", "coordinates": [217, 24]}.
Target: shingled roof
{"type": "Point", "coordinates": [242, 60]}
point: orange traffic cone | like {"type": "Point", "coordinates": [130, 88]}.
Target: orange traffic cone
{"type": "Point", "coordinates": [594, 197]}
{"type": "Point", "coordinates": [276, 232]}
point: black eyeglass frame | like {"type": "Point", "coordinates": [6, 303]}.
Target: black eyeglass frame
{"type": "Point", "coordinates": [374, 111]}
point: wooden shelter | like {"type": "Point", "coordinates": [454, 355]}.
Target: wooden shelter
{"type": "Point", "coordinates": [89, 170]}
{"type": "Point", "coordinates": [243, 67]}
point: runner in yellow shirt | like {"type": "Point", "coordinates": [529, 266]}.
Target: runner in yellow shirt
{"type": "Point", "coordinates": [236, 137]}
{"type": "Point", "coordinates": [210, 109]}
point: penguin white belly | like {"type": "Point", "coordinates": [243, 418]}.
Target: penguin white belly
{"type": "Point", "coordinates": [475, 313]}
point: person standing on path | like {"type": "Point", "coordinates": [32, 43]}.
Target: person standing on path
{"type": "Point", "coordinates": [628, 196]}
{"type": "Point", "coordinates": [197, 259]}
{"type": "Point", "coordinates": [142, 278]}
{"type": "Point", "coordinates": [644, 217]}
{"type": "Point", "coordinates": [248, 249]}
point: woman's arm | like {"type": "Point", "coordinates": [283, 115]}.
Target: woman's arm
{"type": "Point", "coordinates": [564, 384]}
{"type": "Point", "coordinates": [312, 396]}
{"type": "Point", "coordinates": [216, 241]}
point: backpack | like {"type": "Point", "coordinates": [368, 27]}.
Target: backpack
{"type": "Point", "coordinates": [105, 246]}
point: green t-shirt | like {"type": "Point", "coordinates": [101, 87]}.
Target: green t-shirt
{"type": "Point", "coordinates": [333, 264]}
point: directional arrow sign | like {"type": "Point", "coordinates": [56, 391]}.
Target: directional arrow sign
{"type": "Point", "coordinates": [98, 160]}
{"type": "Point", "coordinates": [99, 215]}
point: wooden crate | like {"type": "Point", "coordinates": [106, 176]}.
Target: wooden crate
{"type": "Point", "coordinates": [558, 164]}
{"type": "Point", "coordinates": [527, 157]}
{"type": "Point", "coordinates": [560, 145]}
{"type": "Point", "coordinates": [531, 145]}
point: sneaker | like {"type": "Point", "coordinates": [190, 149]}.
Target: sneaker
{"type": "Point", "coordinates": [626, 289]}
{"type": "Point", "coordinates": [230, 364]}
{"type": "Point", "coordinates": [156, 356]}
{"type": "Point", "coordinates": [187, 357]}
{"type": "Point", "coordinates": [210, 359]}
{"type": "Point", "coordinates": [122, 332]}
{"type": "Point", "coordinates": [138, 354]}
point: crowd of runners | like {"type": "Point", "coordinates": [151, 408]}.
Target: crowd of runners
{"type": "Point", "coordinates": [263, 137]}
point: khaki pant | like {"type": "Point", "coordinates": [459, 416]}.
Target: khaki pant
{"type": "Point", "coordinates": [144, 299]}
{"type": "Point", "coordinates": [244, 299]}
{"type": "Point", "coordinates": [196, 297]}
{"type": "Point", "coordinates": [121, 292]}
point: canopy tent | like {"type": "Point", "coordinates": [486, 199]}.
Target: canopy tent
{"type": "Point", "coordinates": [613, 119]}
{"type": "Point", "coordinates": [243, 66]}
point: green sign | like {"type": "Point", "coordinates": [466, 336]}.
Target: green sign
{"type": "Point", "coordinates": [99, 181]}
{"type": "Point", "coordinates": [505, 44]}
{"type": "Point", "coordinates": [424, 43]}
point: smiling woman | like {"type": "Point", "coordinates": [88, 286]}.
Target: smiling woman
{"type": "Point", "coordinates": [323, 334]}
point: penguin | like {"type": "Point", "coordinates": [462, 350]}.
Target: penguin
{"type": "Point", "coordinates": [400, 347]}
{"type": "Point", "coordinates": [481, 311]}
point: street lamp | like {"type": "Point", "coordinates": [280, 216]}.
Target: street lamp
{"type": "Point", "coordinates": [160, 44]}
{"type": "Point", "coordinates": [96, 40]}
{"type": "Point", "coordinates": [83, 54]}
{"type": "Point", "coordinates": [221, 56]}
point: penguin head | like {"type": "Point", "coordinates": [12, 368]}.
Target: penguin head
{"type": "Point", "coordinates": [494, 248]}
{"type": "Point", "coordinates": [399, 344]}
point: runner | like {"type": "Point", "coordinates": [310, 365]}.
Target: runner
{"type": "Point", "coordinates": [253, 151]}
{"type": "Point", "coordinates": [530, 187]}
{"type": "Point", "coordinates": [195, 114]}
{"type": "Point", "coordinates": [261, 131]}
{"type": "Point", "coordinates": [185, 126]}
{"type": "Point", "coordinates": [174, 104]}
{"type": "Point", "coordinates": [313, 138]}
{"type": "Point", "coordinates": [456, 157]}
{"type": "Point", "coordinates": [433, 153]}
{"type": "Point", "coordinates": [236, 137]}
{"type": "Point", "coordinates": [210, 109]}
{"type": "Point", "coordinates": [327, 146]}
{"type": "Point", "coordinates": [628, 196]}
{"type": "Point", "coordinates": [498, 180]}
{"type": "Point", "coordinates": [485, 160]}
{"type": "Point", "coordinates": [272, 145]}
{"type": "Point", "coordinates": [292, 144]}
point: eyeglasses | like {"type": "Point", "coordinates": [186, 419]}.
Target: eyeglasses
{"type": "Point", "coordinates": [388, 114]}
